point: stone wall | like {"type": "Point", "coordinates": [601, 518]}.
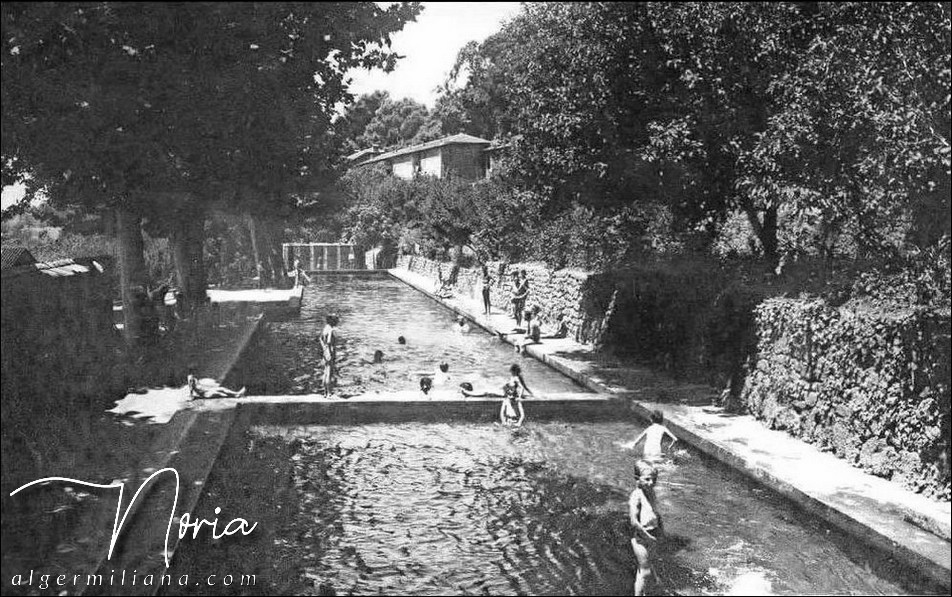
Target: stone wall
{"type": "Point", "coordinates": [871, 385]}
{"type": "Point", "coordinates": [583, 299]}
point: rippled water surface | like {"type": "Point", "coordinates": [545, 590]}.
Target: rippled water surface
{"type": "Point", "coordinates": [374, 312]}
{"type": "Point", "coordinates": [474, 509]}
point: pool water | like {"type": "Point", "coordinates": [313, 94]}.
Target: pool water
{"type": "Point", "coordinates": [374, 312]}
{"type": "Point", "coordinates": [472, 508]}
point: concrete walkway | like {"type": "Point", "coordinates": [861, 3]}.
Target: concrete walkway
{"type": "Point", "coordinates": [912, 528]}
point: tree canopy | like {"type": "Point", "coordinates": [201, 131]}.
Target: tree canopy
{"type": "Point", "coordinates": [825, 124]}
{"type": "Point", "coordinates": [116, 102]}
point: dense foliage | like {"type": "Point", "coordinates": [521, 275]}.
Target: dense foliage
{"type": "Point", "coordinates": [784, 130]}
{"type": "Point", "coordinates": [488, 217]}
{"type": "Point", "coordinates": [165, 112]}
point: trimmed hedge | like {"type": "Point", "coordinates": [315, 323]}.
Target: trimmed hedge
{"type": "Point", "coordinates": [871, 385]}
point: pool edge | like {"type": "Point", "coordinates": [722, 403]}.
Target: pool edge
{"type": "Point", "coordinates": [938, 570]}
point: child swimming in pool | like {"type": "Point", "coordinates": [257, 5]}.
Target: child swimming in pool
{"type": "Point", "coordinates": [653, 437]}
{"type": "Point", "coordinates": [511, 412]}
{"type": "Point", "coordinates": [440, 377]}
{"type": "Point", "coordinates": [645, 521]}
{"type": "Point", "coordinates": [462, 326]}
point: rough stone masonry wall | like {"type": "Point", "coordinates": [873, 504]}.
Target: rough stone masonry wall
{"type": "Point", "coordinates": [583, 299]}
{"type": "Point", "coordinates": [870, 385]}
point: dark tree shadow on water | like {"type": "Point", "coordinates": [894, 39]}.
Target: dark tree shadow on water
{"type": "Point", "coordinates": [584, 530]}
{"type": "Point", "coordinates": [526, 527]}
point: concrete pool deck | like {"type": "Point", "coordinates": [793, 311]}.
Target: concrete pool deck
{"type": "Point", "coordinates": [910, 527]}
{"type": "Point", "coordinates": [874, 510]}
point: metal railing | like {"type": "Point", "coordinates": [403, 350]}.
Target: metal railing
{"type": "Point", "coordinates": [323, 256]}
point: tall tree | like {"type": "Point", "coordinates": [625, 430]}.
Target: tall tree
{"type": "Point", "coordinates": [164, 111]}
{"type": "Point", "coordinates": [395, 123]}
{"type": "Point", "coordinates": [354, 122]}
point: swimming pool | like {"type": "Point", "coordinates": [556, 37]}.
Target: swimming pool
{"type": "Point", "coordinates": [374, 312]}
{"type": "Point", "coordinates": [464, 507]}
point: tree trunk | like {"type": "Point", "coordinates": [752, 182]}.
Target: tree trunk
{"type": "Point", "coordinates": [274, 235]}
{"type": "Point", "coordinates": [259, 265]}
{"type": "Point", "coordinates": [132, 274]}
{"type": "Point", "coordinates": [766, 231]}
{"type": "Point", "coordinates": [267, 235]}
{"type": "Point", "coordinates": [187, 239]}
{"type": "Point", "coordinates": [768, 236]}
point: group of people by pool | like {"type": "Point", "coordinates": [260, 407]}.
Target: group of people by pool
{"type": "Point", "coordinates": [645, 518]}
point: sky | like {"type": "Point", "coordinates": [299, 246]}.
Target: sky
{"type": "Point", "coordinates": [429, 44]}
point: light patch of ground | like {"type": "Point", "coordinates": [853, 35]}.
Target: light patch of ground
{"type": "Point", "coordinates": [156, 404]}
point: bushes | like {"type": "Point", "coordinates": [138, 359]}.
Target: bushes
{"type": "Point", "coordinates": [868, 379]}
{"type": "Point", "coordinates": [690, 318]}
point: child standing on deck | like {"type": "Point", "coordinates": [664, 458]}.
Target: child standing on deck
{"type": "Point", "coordinates": [653, 436]}
{"type": "Point", "coordinates": [645, 521]}
{"type": "Point", "coordinates": [485, 287]}
{"type": "Point", "coordinates": [328, 342]}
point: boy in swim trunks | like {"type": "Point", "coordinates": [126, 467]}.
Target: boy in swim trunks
{"type": "Point", "coordinates": [328, 341]}
{"type": "Point", "coordinates": [645, 521]}
{"type": "Point", "coordinates": [653, 436]}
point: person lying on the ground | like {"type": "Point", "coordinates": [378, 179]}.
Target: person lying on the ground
{"type": "Point", "coordinates": [557, 330]}
{"type": "Point", "coordinates": [653, 436]}
{"type": "Point", "coordinates": [209, 388]}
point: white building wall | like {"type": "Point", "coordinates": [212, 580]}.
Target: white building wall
{"type": "Point", "coordinates": [403, 167]}
{"type": "Point", "coordinates": [431, 163]}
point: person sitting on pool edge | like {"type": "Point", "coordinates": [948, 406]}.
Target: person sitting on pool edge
{"type": "Point", "coordinates": [533, 332]}
{"type": "Point", "coordinates": [557, 330]}
{"type": "Point", "coordinates": [208, 388]}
